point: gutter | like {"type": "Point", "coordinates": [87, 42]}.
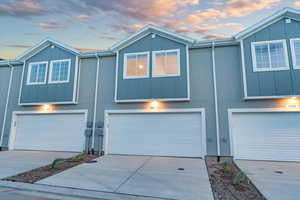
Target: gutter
{"type": "Point", "coordinates": [215, 96]}
{"type": "Point", "coordinates": [6, 104]}
{"type": "Point", "coordinates": [95, 103]}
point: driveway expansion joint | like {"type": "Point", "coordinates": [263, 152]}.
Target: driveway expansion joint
{"type": "Point", "coordinates": [129, 177]}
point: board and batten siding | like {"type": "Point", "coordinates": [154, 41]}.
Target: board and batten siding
{"type": "Point", "coordinates": [85, 96]}
{"type": "Point", "coordinates": [272, 83]}
{"type": "Point", "coordinates": [58, 92]}
{"type": "Point", "coordinates": [201, 96]}
{"type": "Point", "coordinates": [153, 87]}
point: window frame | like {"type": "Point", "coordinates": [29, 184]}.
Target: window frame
{"type": "Point", "coordinates": [294, 58]}
{"type": "Point", "coordinates": [267, 69]}
{"type": "Point", "coordinates": [51, 68]}
{"type": "Point", "coordinates": [29, 73]}
{"type": "Point", "coordinates": [166, 51]}
{"type": "Point", "coordinates": [125, 65]}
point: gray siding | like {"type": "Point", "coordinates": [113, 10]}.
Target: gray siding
{"type": "Point", "coordinates": [153, 87]}
{"type": "Point", "coordinates": [62, 92]}
{"type": "Point", "coordinates": [85, 101]}
{"type": "Point", "coordinates": [276, 83]}
{"type": "Point", "coordinates": [201, 92]}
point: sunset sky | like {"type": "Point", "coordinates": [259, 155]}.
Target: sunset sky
{"type": "Point", "coordinates": [97, 24]}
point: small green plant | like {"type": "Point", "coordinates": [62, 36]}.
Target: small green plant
{"type": "Point", "coordinates": [227, 168]}
{"type": "Point", "coordinates": [77, 158]}
{"type": "Point", "coordinates": [238, 178]}
{"type": "Point", "coordinates": [56, 162]}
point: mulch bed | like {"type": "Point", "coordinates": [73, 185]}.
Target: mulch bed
{"type": "Point", "coordinates": [49, 170]}
{"type": "Point", "coordinates": [221, 179]}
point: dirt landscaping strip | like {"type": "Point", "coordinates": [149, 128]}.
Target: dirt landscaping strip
{"type": "Point", "coordinates": [230, 183]}
{"type": "Point", "coordinates": [56, 167]}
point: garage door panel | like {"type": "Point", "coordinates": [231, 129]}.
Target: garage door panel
{"type": "Point", "coordinates": [162, 134]}
{"type": "Point", "coordinates": [50, 132]}
{"type": "Point", "coordinates": [266, 136]}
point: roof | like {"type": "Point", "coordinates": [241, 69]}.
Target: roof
{"type": "Point", "coordinates": [43, 44]}
{"type": "Point", "coordinates": [152, 29]}
{"type": "Point", "coordinates": [285, 12]}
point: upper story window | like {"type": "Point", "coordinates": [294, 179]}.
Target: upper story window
{"type": "Point", "coordinates": [37, 73]}
{"type": "Point", "coordinates": [269, 55]}
{"type": "Point", "coordinates": [166, 63]}
{"type": "Point", "coordinates": [60, 71]}
{"type": "Point", "coordinates": [295, 47]}
{"type": "Point", "coordinates": [136, 65]}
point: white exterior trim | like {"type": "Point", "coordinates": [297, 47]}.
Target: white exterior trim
{"type": "Point", "coordinates": [231, 111]}
{"type": "Point", "coordinates": [270, 97]}
{"type": "Point", "coordinates": [51, 68]}
{"type": "Point", "coordinates": [64, 46]}
{"type": "Point", "coordinates": [119, 46]}
{"type": "Point", "coordinates": [216, 97]}
{"type": "Point", "coordinates": [12, 135]}
{"type": "Point", "coordinates": [29, 73]}
{"type": "Point", "coordinates": [166, 51]}
{"type": "Point", "coordinates": [188, 72]}
{"type": "Point", "coordinates": [95, 102]}
{"type": "Point", "coordinates": [77, 81]}
{"type": "Point", "coordinates": [116, 77]}
{"type": "Point", "coordinates": [244, 69]}
{"type": "Point", "coordinates": [6, 104]}
{"type": "Point", "coordinates": [154, 99]}
{"type": "Point", "coordinates": [125, 65]}
{"type": "Point", "coordinates": [253, 53]}
{"type": "Point", "coordinates": [294, 58]}
{"type": "Point", "coordinates": [187, 110]}
{"type": "Point", "coordinates": [265, 22]}
{"type": "Point", "coordinates": [50, 102]}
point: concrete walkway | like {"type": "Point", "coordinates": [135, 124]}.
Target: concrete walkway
{"type": "Point", "coordinates": [275, 180]}
{"type": "Point", "coordinates": [146, 176]}
{"type": "Point", "coordinates": [15, 162]}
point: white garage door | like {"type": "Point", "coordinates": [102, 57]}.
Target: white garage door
{"type": "Point", "coordinates": [161, 134]}
{"type": "Point", "coordinates": [50, 132]}
{"type": "Point", "coordinates": [266, 136]}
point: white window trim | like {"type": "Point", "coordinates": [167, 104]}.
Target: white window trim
{"type": "Point", "coordinates": [292, 44]}
{"type": "Point", "coordinates": [125, 65]}
{"type": "Point", "coordinates": [255, 69]}
{"type": "Point", "coordinates": [51, 67]}
{"type": "Point", "coordinates": [29, 73]}
{"type": "Point", "coordinates": [165, 51]}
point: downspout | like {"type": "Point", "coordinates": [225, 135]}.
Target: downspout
{"type": "Point", "coordinates": [216, 96]}
{"type": "Point", "coordinates": [6, 104]}
{"type": "Point", "coordinates": [95, 104]}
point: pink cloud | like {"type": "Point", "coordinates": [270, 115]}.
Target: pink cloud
{"type": "Point", "coordinates": [82, 17]}
{"type": "Point", "coordinates": [24, 8]}
{"type": "Point", "coordinates": [51, 25]}
{"type": "Point", "coordinates": [216, 36]}
{"type": "Point", "coordinates": [199, 16]}
{"type": "Point", "coordinates": [297, 3]}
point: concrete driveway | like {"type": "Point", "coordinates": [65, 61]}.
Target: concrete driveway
{"type": "Point", "coordinates": [15, 162]}
{"type": "Point", "coordinates": [148, 176]}
{"type": "Point", "coordinates": [275, 180]}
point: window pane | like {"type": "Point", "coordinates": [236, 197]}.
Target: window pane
{"type": "Point", "coordinates": [64, 70]}
{"type": "Point", "coordinates": [262, 56]}
{"type": "Point", "coordinates": [137, 65]}
{"type": "Point", "coordinates": [277, 55]}
{"type": "Point", "coordinates": [159, 68]}
{"type": "Point", "coordinates": [142, 63]}
{"type": "Point", "coordinates": [172, 63]}
{"type": "Point", "coordinates": [41, 73]}
{"type": "Point", "coordinates": [55, 71]}
{"type": "Point", "coordinates": [297, 52]}
{"type": "Point", "coordinates": [33, 73]}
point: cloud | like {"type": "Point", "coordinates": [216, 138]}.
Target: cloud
{"type": "Point", "coordinates": [239, 8]}
{"type": "Point", "coordinates": [82, 17]}
{"type": "Point", "coordinates": [24, 8]}
{"type": "Point", "coordinates": [297, 3]}
{"type": "Point", "coordinates": [216, 36]}
{"type": "Point", "coordinates": [200, 16]}
{"type": "Point", "coordinates": [86, 49]}
{"type": "Point", "coordinates": [22, 46]}
{"type": "Point", "coordinates": [207, 27]}
{"type": "Point", "coordinates": [51, 25]}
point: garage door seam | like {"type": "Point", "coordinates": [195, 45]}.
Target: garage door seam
{"type": "Point", "coordinates": [128, 178]}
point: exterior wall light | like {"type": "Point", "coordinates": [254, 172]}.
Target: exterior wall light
{"type": "Point", "coordinates": [292, 102]}
{"type": "Point", "coordinates": [154, 104]}
{"type": "Point", "coordinates": [46, 107]}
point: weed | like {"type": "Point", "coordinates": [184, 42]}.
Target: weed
{"type": "Point", "coordinates": [227, 168]}
{"type": "Point", "coordinates": [56, 162]}
{"type": "Point", "coordinates": [238, 178]}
